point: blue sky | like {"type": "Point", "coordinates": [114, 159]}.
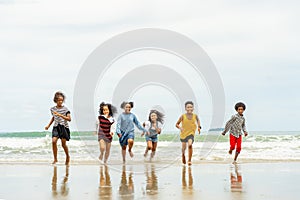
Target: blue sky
{"type": "Point", "coordinates": [253, 44]}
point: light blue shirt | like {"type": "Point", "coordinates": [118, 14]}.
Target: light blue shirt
{"type": "Point", "coordinates": [126, 123]}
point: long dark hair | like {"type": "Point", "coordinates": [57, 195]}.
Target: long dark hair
{"type": "Point", "coordinates": [112, 109]}
{"type": "Point", "coordinates": [160, 116]}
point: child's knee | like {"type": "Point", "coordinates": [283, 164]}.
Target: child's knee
{"type": "Point", "coordinates": [64, 145]}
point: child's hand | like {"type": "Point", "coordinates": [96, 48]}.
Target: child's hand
{"type": "Point", "coordinates": [181, 129]}
{"type": "Point", "coordinates": [246, 134]}
{"type": "Point", "coordinates": [57, 114]}
{"type": "Point", "coordinates": [199, 130]}
{"type": "Point", "coordinates": [119, 135]}
{"type": "Point", "coordinates": [46, 127]}
{"type": "Point", "coordinates": [112, 134]}
{"type": "Point", "coordinates": [223, 133]}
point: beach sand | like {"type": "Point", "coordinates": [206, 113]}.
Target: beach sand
{"type": "Point", "coordinates": [151, 181]}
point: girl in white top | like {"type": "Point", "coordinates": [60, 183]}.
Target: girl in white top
{"type": "Point", "coordinates": [153, 126]}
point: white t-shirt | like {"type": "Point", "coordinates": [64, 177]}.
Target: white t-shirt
{"type": "Point", "coordinates": [151, 129]}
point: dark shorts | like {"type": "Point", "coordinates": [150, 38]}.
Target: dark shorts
{"type": "Point", "coordinates": [187, 138]}
{"type": "Point", "coordinates": [61, 131]}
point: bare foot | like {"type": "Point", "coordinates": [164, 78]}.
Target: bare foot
{"type": "Point", "coordinates": [190, 163]}
{"type": "Point", "coordinates": [230, 151]}
{"type": "Point", "coordinates": [67, 160]}
{"type": "Point", "coordinates": [130, 153]}
{"type": "Point", "coordinates": [234, 162]}
{"type": "Point", "coordinates": [183, 159]}
{"type": "Point", "coordinates": [152, 154]}
{"type": "Point", "coordinates": [54, 162]}
{"type": "Point", "coordinates": [101, 156]}
{"type": "Point", "coordinates": [145, 154]}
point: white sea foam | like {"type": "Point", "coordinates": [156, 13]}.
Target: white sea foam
{"type": "Point", "coordinates": [254, 148]}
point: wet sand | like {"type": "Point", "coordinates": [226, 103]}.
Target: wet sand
{"type": "Point", "coordinates": [151, 181]}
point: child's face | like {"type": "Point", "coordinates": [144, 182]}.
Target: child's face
{"type": "Point", "coordinates": [60, 101]}
{"type": "Point", "coordinates": [127, 108]}
{"type": "Point", "coordinates": [153, 117]}
{"type": "Point", "coordinates": [105, 110]}
{"type": "Point", "coordinates": [240, 110]}
{"type": "Point", "coordinates": [189, 108]}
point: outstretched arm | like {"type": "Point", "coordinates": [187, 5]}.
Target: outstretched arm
{"type": "Point", "coordinates": [51, 121]}
{"type": "Point", "coordinates": [228, 125]}
{"type": "Point", "coordinates": [244, 129]}
{"type": "Point", "coordinates": [118, 129]}
{"type": "Point", "coordinates": [138, 124]}
{"type": "Point", "coordinates": [198, 123]}
{"type": "Point", "coordinates": [178, 123]}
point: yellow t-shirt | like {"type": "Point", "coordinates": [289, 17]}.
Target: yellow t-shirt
{"type": "Point", "coordinates": [188, 125]}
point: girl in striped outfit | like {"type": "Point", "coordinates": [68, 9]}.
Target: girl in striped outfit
{"type": "Point", "coordinates": [105, 129]}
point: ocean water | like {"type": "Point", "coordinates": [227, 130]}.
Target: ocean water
{"type": "Point", "coordinates": [35, 147]}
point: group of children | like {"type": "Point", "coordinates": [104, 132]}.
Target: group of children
{"type": "Point", "coordinates": [188, 123]}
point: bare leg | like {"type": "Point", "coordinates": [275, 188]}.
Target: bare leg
{"type": "Point", "coordinates": [65, 147]}
{"type": "Point", "coordinates": [190, 145]}
{"type": "Point", "coordinates": [107, 152]}
{"type": "Point", "coordinates": [154, 145]}
{"type": "Point", "coordinates": [236, 156]}
{"type": "Point", "coordinates": [149, 147]}
{"type": "Point", "coordinates": [124, 153]}
{"type": "Point", "coordinates": [102, 148]}
{"type": "Point", "coordinates": [54, 149]}
{"type": "Point", "coordinates": [130, 145]}
{"type": "Point", "coordinates": [183, 152]}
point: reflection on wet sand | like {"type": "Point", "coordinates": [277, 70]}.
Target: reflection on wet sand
{"type": "Point", "coordinates": [105, 188]}
{"type": "Point", "coordinates": [187, 188]}
{"type": "Point", "coordinates": [126, 189]}
{"type": "Point", "coordinates": [152, 183]}
{"type": "Point", "coordinates": [236, 182]}
{"type": "Point", "coordinates": [64, 188]}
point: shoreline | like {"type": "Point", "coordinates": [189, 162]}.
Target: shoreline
{"type": "Point", "coordinates": [260, 181]}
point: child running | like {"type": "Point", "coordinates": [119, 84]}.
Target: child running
{"type": "Point", "coordinates": [189, 122]}
{"type": "Point", "coordinates": [60, 116]}
{"type": "Point", "coordinates": [235, 126]}
{"type": "Point", "coordinates": [153, 126]}
{"type": "Point", "coordinates": [105, 129]}
{"type": "Point", "coordinates": [125, 128]}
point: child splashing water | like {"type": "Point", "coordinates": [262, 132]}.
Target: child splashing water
{"type": "Point", "coordinates": [125, 128]}
{"type": "Point", "coordinates": [60, 116]}
{"type": "Point", "coordinates": [153, 126]}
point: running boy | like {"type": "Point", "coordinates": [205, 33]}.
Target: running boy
{"type": "Point", "coordinates": [189, 122]}
{"type": "Point", "coordinates": [235, 126]}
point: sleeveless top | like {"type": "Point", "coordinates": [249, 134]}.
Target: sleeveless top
{"type": "Point", "coordinates": [188, 125]}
